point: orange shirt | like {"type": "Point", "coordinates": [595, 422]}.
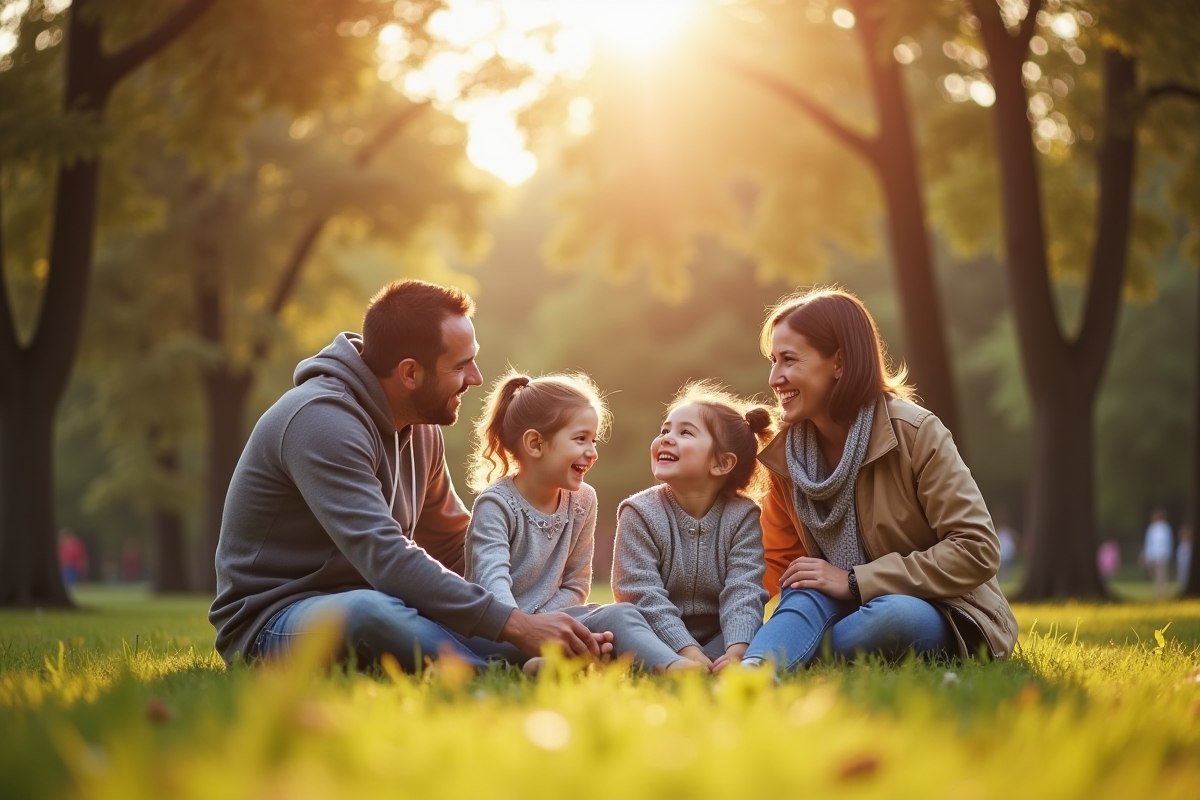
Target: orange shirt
{"type": "Point", "coordinates": [781, 540]}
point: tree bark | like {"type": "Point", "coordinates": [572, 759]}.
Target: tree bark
{"type": "Point", "coordinates": [1063, 376]}
{"type": "Point", "coordinates": [896, 163]}
{"type": "Point", "coordinates": [1191, 587]}
{"type": "Point", "coordinates": [36, 372]}
{"type": "Point", "coordinates": [226, 389]}
{"type": "Point", "coordinates": [170, 544]}
{"type": "Point", "coordinates": [29, 569]}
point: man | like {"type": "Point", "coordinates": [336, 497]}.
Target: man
{"type": "Point", "coordinates": [341, 505]}
{"type": "Point", "coordinates": [1157, 550]}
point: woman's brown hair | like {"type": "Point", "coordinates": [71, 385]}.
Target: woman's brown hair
{"type": "Point", "coordinates": [832, 319]}
{"type": "Point", "coordinates": [737, 426]}
{"type": "Point", "coordinates": [519, 403]}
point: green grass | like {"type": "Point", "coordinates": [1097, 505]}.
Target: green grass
{"type": "Point", "coordinates": [126, 699]}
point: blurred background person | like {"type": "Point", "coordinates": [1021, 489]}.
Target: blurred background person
{"type": "Point", "coordinates": [131, 561]}
{"type": "Point", "coordinates": [1157, 551]}
{"type": "Point", "coordinates": [1183, 556]}
{"type": "Point", "coordinates": [72, 557]}
{"type": "Point", "coordinates": [1008, 550]}
{"type": "Point", "coordinates": [1108, 559]}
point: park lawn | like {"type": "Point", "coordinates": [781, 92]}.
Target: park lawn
{"type": "Point", "coordinates": [126, 699]}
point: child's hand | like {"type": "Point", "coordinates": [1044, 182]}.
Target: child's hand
{"type": "Point", "coordinates": [694, 653]}
{"type": "Point", "coordinates": [732, 655]}
{"type": "Point", "coordinates": [604, 640]}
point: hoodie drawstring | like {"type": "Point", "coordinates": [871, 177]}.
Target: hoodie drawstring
{"type": "Point", "coordinates": [412, 469]}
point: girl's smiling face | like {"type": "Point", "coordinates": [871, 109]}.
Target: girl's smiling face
{"type": "Point", "coordinates": [683, 450]}
{"type": "Point", "coordinates": [801, 377]}
{"type": "Point", "coordinates": [571, 452]}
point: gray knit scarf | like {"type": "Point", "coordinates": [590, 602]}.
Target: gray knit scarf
{"type": "Point", "coordinates": [824, 502]}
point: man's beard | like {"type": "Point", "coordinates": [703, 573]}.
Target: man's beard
{"type": "Point", "coordinates": [432, 407]}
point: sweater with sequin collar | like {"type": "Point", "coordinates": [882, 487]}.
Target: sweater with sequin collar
{"type": "Point", "coordinates": [535, 561]}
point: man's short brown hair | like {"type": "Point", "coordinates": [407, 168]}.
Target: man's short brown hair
{"type": "Point", "coordinates": [404, 320]}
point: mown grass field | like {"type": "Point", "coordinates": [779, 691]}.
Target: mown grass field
{"type": "Point", "coordinates": [127, 699]}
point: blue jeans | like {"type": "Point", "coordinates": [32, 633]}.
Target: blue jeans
{"type": "Point", "coordinates": [375, 623]}
{"type": "Point", "coordinates": [890, 626]}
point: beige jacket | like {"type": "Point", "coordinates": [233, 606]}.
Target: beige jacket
{"type": "Point", "coordinates": [926, 530]}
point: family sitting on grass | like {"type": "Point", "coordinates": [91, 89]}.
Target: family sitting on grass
{"type": "Point", "coordinates": [858, 511]}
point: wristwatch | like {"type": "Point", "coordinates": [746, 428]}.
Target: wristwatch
{"type": "Point", "coordinates": [852, 580]}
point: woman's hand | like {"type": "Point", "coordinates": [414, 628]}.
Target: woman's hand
{"type": "Point", "coordinates": [732, 655]}
{"type": "Point", "coordinates": [694, 653]}
{"type": "Point", "coordinates": [817, 573]}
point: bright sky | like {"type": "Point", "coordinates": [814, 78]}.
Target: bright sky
{"type": "Point", "coordinates": [552, 37]}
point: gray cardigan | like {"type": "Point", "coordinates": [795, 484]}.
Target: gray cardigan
{"type": "Point", "coordinates": [534, 561]}
{"type": "Point", "coordinates": [692, 579]}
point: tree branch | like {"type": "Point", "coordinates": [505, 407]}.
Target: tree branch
{"type": "Point", "coordinates": [308, 239]}
{"type": "Point", "coordinates": [1168, 89]}
{"type": "Point", "coordinates": [118, 65]}
{"type": "Point", "coordinates": [996, 35]}
{"type": "Point", "coordinates": [1028, 25]}
{"type": "Point", "coordinates": [864, 146]}
{"type": "Point", "coordinates": [388, 131]}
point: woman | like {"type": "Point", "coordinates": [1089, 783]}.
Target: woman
{"type": "Point", "coordinates": [890, 551]}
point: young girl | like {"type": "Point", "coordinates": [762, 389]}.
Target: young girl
{"type": "Point", "coordinates": [533, 526]}
{"type": "Point", "coordinates": [689, 551]}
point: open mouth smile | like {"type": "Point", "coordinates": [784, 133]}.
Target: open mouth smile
{"type": "Point", "coordinates": [786, 396]}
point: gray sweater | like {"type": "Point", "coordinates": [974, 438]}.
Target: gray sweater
{"type": "Point", "coordinates": [307, 512]}
{"type": "Point", "coordinates": [691, 579]}
{"type": "Point", "coordinates": [535, 561]}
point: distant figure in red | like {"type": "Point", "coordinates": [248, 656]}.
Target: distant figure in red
{"type": "Point", "coordinates": [131, 561]}
{"type": "Point", "coordinates": [72, 557]}
{"type": "Point", "coordinates": [1108, 559]}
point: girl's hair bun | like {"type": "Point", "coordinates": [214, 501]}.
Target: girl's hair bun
{"type": "Point", "coordinates": [519, 381]}
{"type": "Point", "coordinates": [759, 419]}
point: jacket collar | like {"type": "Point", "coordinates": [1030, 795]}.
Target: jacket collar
{"type": "Point", "coordinates": [883, 439]}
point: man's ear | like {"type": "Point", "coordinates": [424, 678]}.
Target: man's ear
{"type": "Point", "coordinates": [723, 464]}
{"type": "Point", "coordinates": [532, 443]}
{"type": "Point", "coordinates": [410, 374]}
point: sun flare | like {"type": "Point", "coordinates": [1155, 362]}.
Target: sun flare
{"type": "Point", "coordinates": [552, 39]}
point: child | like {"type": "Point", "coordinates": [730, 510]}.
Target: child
{"type": "Point", "coordinates": [533, 526]}
{"type": "Point", "coordinates": [689, 551]}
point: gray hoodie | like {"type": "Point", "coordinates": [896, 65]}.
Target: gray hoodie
{"type": "Point", "coordinates": [307, 512]}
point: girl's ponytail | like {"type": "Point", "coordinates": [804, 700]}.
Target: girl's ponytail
{"type": "Point", "coordinates": [760, 421]}
{"type": "Point", "coordinates": [490, 453]}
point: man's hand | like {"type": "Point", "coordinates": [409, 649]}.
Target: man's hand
{"type": "Point", "coordinates": [694, 653]}
{"type": "Point", "coordinates": [531, 632]}
{"type": "Point", "coordinates": [732, 655]}
{"type": "Point", "coordinates": [817, 573]}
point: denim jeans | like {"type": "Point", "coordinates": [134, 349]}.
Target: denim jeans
{"type": "Point", "coordinates": [890, 626]}
{"type": "Point", "coordinates": [373, 624]}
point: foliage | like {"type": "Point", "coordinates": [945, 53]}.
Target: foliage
{"type": "Point", "coordinates": [132, 705]}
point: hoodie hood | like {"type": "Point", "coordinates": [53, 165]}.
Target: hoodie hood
{"type": "Point", "coordinates": [342, 359]}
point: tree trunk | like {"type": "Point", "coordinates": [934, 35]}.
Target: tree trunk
{"type": "Point", "coordinates": [912, 259]}
{"type": "Point", "coordinates": [35, 373]}
{"type": "Point", "coordinates": [29, 569]}
{"type": "Point", "coordinates": [1063, 376]}
{"type": "Point", "coordinates": [227, 391]}
{"type": "Point", "coordinates": [170, 543]}
{"type": "Point", "coordinates": [1062, 561]}
{"type": "Point", "coordinates": [1191, 587]}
